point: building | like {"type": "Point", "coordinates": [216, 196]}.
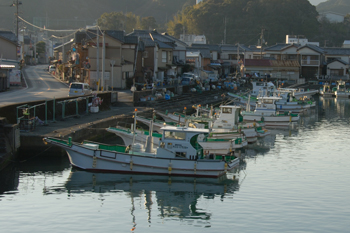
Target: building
{"type": "Point", "coordinates": [299, 39]}
{"type": "Point", "coordinates": [193, 39]}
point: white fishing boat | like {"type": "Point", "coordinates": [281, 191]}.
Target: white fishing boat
{"type": "Point", "coordinates": [341, 91]}
{"type": "Point", "coordinates": [302, 93]}
{"type": "Point", "coordinates": [288, 102]}
{"type": "Point", "coordinates": [179, 154]}
{"type": "Point", "coordinates": [326, 90]}
{"type": "Point", "coordinates": [265, 111]}
{"type": "Point", "coordinates": [227, 123]}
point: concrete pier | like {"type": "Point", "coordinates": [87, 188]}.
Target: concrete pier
{"type": "Point", "coordinates": [9, 142]}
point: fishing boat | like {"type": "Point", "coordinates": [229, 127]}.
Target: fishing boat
{"type": "Point", "coordinates": [227, 123]}
{"type": "Point", "coordinates": [179, 154]}
{"type": "Point", "coordinates": [326, 90]}
{"type": "Point", "coordinates": [301, 92]}
{"type": "Point", "coordinates": [341, 91]}
{"type": "Point", "coordinates": [288, 102]}
{"type": "Point", "coordinates": [266, 111]}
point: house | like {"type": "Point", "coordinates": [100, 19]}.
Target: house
{"type": "Point", "coordinates": [158, 61]}
{"type": "Point", "coordinates": [337, 69]}
{"type": "Point", "coordinates": [276, 69]}
{"type": "Point", "coordinates": [282, 52]}
{"type": "Point", "coordinates": [310, 58]}
{"type": "Point", "coordinates": [113, 70]}
{"type": "Point", "coordinates": [8, 45]}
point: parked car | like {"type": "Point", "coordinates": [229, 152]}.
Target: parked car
{"type": "Point", "coordinates": [52, 68]}
{"type": "Point", "coordinates": [188, 78]}
{"type": "Point", "coordinates": [77, 88]}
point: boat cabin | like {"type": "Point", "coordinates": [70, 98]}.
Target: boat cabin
{"type": "Point", "coordinates": [341, 86]}
{"type": "Point", "coordinates": [181, 142]}
{"type": "Point", "coordinates": [262, 88]}
{"type": "Point", "coordinates": [266, 105]}
{"type": "Point", "coordinates": [228, 118]}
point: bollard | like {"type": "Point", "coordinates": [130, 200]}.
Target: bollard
{"type": "Point", "coordinates": [45, 112]}
{"type": "Point", "coordinates": [63, 108]}
{"type": "Point", "coordinates": [54, 110]}
{"type": "Point", "coordinates": [76, 107]}
{"type": "Point", "coordinates": [87, 105]}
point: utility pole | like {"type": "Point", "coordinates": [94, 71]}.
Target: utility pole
{"type": "Point", "coordinates": [103, 60]}
{"type": "Point", "coordinates": [237, 59]}
{"type": "Point", "coordinates": [225, 31]}
{"type": "Point", "coordinates": [261, 41]}
{"type": "Point", "coordinates": [97, 59]}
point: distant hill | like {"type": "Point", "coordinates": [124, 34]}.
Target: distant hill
{"type": "Point", "coordinates": [65, 14]}
{"type": "Point", "coordinates": [337, 6]}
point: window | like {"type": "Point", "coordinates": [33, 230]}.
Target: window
{"type": "Point", "coordinates": [163, 56]}
{"type": "Point", "coordinates": [227, 110]}
{"type": "Point", "coordinates": [175, 135]}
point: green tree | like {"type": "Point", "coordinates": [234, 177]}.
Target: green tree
{"type": "Point", "coordinates": [40, 47]}
{"type": "Point", "coordinates": [118, 21]}
{"type": "Point", "coordinates": [148, 23]}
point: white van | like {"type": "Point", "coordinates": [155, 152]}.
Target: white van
{"type": "Point", "coordinates": [76, 88]}
{"type": "Point", "coordinates": [52, 68]}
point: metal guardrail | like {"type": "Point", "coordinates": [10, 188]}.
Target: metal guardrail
{"type": "Point", "coordinates": [26, 114]}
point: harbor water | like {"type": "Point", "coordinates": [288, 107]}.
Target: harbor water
{"type": "Point", "coordinates": [294, 180]}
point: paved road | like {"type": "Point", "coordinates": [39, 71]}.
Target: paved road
{"type": "Point", "coordinates": [40, 86]}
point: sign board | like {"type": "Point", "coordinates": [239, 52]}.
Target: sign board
{"type": "Point", "coordinates": [15, 77]}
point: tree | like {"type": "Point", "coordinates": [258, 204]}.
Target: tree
{"type": "Point", "coordinates": [40, 47]}
{"type": "Point", "coordinates": [118, 21]}
{"type": "Point", "coordinates": [148, 23]}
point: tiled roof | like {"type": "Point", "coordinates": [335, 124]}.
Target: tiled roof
{"type": "Point", "coordinates": [84, 36]}
{"type": "Point", "coordinates": [204, 51]}
{"type": "Point", "coordinates": [163, 45]}
{"type": "Point", "coordinates": [131, 39]}
{"type": "Point", "coordinates": [211, 47]}
{"type": "Point", "coordinates": [313, 47]}
{"type": "Point", "coordinates": [148, 42]}
{"type": "Point", "coordinates": [338, 60]}
{"type": "Point", "coordinates": [337, 51]}
{"type": "Point", "coordinates": [116, 34]}
{"type": "Point", "coordinates": [175, 40]}
{"type": "Point", "coordinates": [278, 47]}
{"type": "Point", "coordinates": [9, 36]}
{"type": "Point", "coordinates": [151, 34]}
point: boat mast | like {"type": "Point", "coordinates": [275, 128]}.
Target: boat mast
{"type": "Point", "coordinates": [134, 129]}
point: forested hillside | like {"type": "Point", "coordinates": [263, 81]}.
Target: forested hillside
{"type": "Point", "coordinates": [88, 10]}
{"type": "Point", "coordinates": [244, 20]}
{"type": "Point", "coordinates": [221, 21]}
{"type": "Point", "coordinates": [338, 6]}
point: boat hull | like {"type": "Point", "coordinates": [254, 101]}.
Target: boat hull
{"type": "Point", "coordinates": [97, 160]}
{"type": "Point", "coordinates": [272, 120]}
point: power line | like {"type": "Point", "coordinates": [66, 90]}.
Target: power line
{"type": "Point", "coordinates": [50, 30]}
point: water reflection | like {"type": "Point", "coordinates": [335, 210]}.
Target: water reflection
{"type": "Point", "coordinates": [9, 179]}
{"type": "Point", "coordinates": [175, 196]}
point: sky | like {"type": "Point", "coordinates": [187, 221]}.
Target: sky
{"type": "Point", "coordinates": [316, 2]}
